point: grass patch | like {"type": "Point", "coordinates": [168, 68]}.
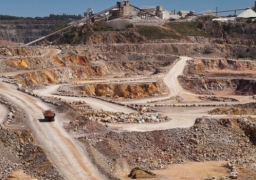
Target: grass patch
{"type": "Point", "coordinates": [100, 26]}
{"type": "Point", "coordinates": [186, 29]}
{"type": "Point", "coordinates": [155, 32]}
{"type": "Point", "coordinates": [172, 30]}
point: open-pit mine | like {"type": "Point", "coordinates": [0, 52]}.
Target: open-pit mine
{"type": "Point", "coordinates": [122, 104]}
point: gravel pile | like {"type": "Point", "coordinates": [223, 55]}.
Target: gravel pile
{"type": "Point", "coordinates": [207, 140]}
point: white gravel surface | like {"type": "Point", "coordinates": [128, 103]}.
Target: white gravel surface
{"type": "Point", "coordinates": [3, 113]}
{"type": "Point", "coordinates": [64, 151]}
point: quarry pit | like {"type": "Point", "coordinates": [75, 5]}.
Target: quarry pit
{"type": "Point", "coordinates": [174, 108]}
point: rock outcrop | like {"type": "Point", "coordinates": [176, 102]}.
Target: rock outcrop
{"type": "Point", "coordinates": [24, 31]}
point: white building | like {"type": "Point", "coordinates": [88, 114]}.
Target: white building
{"type": "Point", "coordinates": [227, 19]}
{"type": "Point", "coordinates": [164, 14]}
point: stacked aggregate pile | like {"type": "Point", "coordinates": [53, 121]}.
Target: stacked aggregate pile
{"type": "Point", "coordinates": [118, 117]}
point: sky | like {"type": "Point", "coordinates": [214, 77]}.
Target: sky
{"type": "Point", "coordinates": [41, 8]}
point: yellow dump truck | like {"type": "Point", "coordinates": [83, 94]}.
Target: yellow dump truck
{"type": "Point", "coordinates": [49, 115]}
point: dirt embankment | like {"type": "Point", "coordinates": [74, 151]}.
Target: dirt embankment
{"type": "Point", "coordinates": [114, 37]}
{"type": "Point", "coordinates": [135, 90]}
{"type": "Point", "coordinates": [24, 31]}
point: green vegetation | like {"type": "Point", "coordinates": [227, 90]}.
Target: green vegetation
{"type": "Point", "coordinates": [155, 32]}
{"type": "Point", "coordinates": [249, 21]}
{"type": "Point", "coordinates": [59, 25]}
{"type": "Point", "coordinates": [68, 36]}
{"type": "Point", "coordinates": [174, 30]}
{"type": "Point", "coordinates": [130, 26]}
{"type": "Point", "coordinates": [50, 17]}
{"type": "Point", "coordinates": [6, 17]}
{"type": "Point", "coordinates": [201, 75]}
{"type": "Point", "coordinates": [186, 29]}
{"type": "Point", "coordinates": [100, 26]}
{"type": "Point", "coordinates": [175, 49]}
{"type": "Point", "coordinates": [205, 18]}
{"type": "Point", "coordinates": [242, 56]}
{"type": "Point", "coordinates": [63, 17]}
{"type": "Point", "coordinates": [78, 35]}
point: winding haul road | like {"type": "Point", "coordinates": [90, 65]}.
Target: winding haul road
{"type": "Point", "coordinates": [69, 158]}
{"type": "Point", "coordinates": [183, 120]}
{"type": "Point", "coordinates": [64, 151]}
{"type": "Point", "coordinates": [170, 80]}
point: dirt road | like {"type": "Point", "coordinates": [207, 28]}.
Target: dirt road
{"type": "Point", "coordinates": [94, 103]}
{"type": "Point", "coordinates": [3, 113]}
{"type": "Point", "coordinates": [170, 80]}
{"type": "Point", "coordinates": [64, 152]}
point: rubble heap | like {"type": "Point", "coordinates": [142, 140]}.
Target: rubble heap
{"type": "Point", "coordinates": [208, 140]}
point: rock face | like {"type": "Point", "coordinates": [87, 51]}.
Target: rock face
{"type": "Point", "coordinates": [208, 76]}
{"type": "Point", "coordinates": [203, 65]}
{"type": "Point", "coordinates": [136, 90]}
{"type": "Point", "coordinates": [209, 85]}
{"type": "Point", "coordinates": [24, 31]}
{"type": "Point", "coordinates": [80, 63]}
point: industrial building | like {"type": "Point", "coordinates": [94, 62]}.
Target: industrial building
{"type": "Point", "coordinates": [162, 13]}
{"type": "Point", "coordinates": [123, 9]}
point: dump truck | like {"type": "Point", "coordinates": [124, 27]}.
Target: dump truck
{"type": "Point", "coordinates": [49, 115]}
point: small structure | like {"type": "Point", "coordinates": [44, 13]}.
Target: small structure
{"type": "Point", "coordinates": [162, 13]}
{"type": "Point", "coordinates": [123, 9]}
{"type": "Point", "coordinates": [227, 19]}
{"type": "Point", "coordinates": [145, 11]}
{"type": "Point", "coordinates": [183, 14]}
{"type": "Point", "coordinates": [49, 115]}
{"type": "Point", "coordinates": [149, 9]}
